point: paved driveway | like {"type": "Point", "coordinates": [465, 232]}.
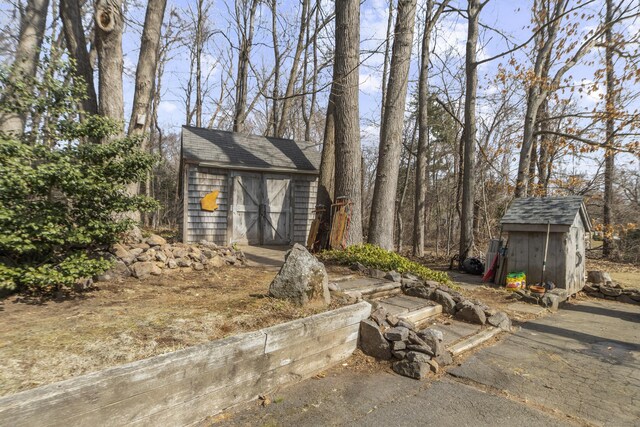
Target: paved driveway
{"type": "Point", "coordinates": [580, 366]}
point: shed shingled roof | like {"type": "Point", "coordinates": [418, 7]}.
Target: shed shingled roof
{"type": "Point", "coordinates": [231, 149]}
{"type": "Point", "coordinates": [543, 210]}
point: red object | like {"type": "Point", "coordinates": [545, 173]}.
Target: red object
{"type": "Point", "coordinates": [491, 272]}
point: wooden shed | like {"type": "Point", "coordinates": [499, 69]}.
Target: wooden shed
{"type": "Point", "coordinates": [526, 222]}
{"type": "Point", "coordinates": [266, 188]}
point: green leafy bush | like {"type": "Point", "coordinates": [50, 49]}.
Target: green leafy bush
{"type": "Point", "coordinates": [375, 257]}
{"type": "Point", "coordinates": [62, 200]}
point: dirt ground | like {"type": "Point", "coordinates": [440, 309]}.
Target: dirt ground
{"type": "Point", "coordinates": [132, 319]}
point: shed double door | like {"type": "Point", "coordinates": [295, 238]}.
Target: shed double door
{"type": "Point", "coordinates": [261, 209]}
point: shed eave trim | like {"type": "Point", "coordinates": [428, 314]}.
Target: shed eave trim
{"type": "Point", "coordinates": [249, 168]}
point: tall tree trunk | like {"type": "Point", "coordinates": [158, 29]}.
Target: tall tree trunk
{"type": "Point", "coordinates": [381, 224]}
{"type": "Point", "coordinates": [422, 176]}
{"type": "Point", "coordinates": [71, 16]}
{"type": "Point", "coordinates": [543, 143]}
{"type": "Point", "coordinates": [246, 42]}
{"type": "Point", "coordinates": [293, 74]}
{"type": "Point", "coordinates": [199, 46]}
{"type": "Point", "coordinates": [326, 184]}
{"type": "Point", "coordinates": [385, 66]}
{"type": "Point", "coordinates": [276, 66]}
{"type": "Point", "coordinates": [347, 113]}
{"type": "Point", "coordinates": [109, 24]}
{"type": "Point", "coordinates": [25, 64]}
{"type": "Point", "coordinates": [468, 173]}
{"type": "Point", "coordinates": [146, 70]}
{"type": "Point", "coordinates": [609, 162]}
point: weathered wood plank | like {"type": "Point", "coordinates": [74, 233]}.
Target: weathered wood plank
{"type": "Point", "coordinates": [278, 336]}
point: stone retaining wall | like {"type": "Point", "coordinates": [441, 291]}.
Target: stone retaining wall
{"type": "Point", "coordinates": [186, 386]}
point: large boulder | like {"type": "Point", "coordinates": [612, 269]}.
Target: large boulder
{"type": "Point", "coordinates": [445, 300]}
{"type": "Point", "coordinates": [301, 279]}
{"type": "Point", "coordinates": [599, 277]}
{"type": "Point", "coordinates": [372, 341]}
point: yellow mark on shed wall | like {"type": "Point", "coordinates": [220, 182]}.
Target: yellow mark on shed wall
{"type": "Point", "coordinates": [208, 202]}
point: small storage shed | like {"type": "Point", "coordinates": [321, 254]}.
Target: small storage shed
{"type": "Point", "coordinates": [266, 188]}
{"type": "Point", "coordinates": [526, 223]}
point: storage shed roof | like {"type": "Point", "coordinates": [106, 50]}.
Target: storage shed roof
{"type": "Point", "coordinates": [233, 150]}
{"type": "Point", "coordinates": [547, 210]}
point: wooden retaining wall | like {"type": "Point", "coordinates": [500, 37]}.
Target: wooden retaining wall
{"type": "Point", "coordinates": [186, 386]}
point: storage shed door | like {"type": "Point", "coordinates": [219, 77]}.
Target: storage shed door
{"type": "Point", "coordinates": [261, 209]}
{"type": "Point", "coordinates": [247, 199]}
{"type": "Point", "coordinates": [277, 211]}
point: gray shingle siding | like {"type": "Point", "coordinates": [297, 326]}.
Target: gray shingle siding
{"type": "Point", "coordinates": [236, 150]}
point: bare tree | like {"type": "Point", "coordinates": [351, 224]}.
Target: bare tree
{"type": "Point", "coordinates": [25, 64]}
{"type": "Point", "coordinates": [422, 156]}
{"type": "Point", "coordinates": [71, 15]}
{"type": "Point", "coordinates": [147, 68]}
{"type": "Point", "coordinates": [109, 24]}
{"type": "Point", "coordinates": [295, 68]}
{"type": "Point", "coordinates": [381, 224]}
{"type": "Point", "coordinates": [346, 113]}
{"type": "Point", "coordinates": [469, 133]}
{"type": "Point", "coordinates": [245, 13]}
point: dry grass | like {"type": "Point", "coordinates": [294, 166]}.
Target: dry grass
{"type": "Point", "coordinates": [130, 320]}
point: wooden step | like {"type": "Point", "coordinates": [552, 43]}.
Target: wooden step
{"type": "Point", "coordinates": [413, 309]}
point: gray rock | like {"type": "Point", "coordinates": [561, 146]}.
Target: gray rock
{"type": "Point", "coordinates": [133, 236]}
{"type": "Point", "coordinates": [411, 276]}
{"type": "Point", "coordinates": [392, 319]}
{"type": "Point", "coordinates": [105, 277]}
{"type": "Point", "coordinates": [430, 340]}
{"type": "Point", "coordinates": [334, 287]}
{"type": "Point", "coordinates": [427, 333]}
{"type": "Point", "coordinates": [406, 324]}
{"type": "Point", "coordinates": [397, 333]}
{"type": "Point", "coordinates": [119, 269]}
{"type": "Point", "coordinates": [414, 356]}
{"type": "Point", "coordinates": [301, 279]}
{"type": "Point", "coordinates": [609, 291]}
{"type": "Point", "coordinates": [398, 345]}
{"type": "Point", "coordinates": [180, 252]}
{"type": "Point", "coordinates": [500, 320]}
{"type": "Point", "coordinates": [149, 255]}
{"type": "Point", "coordinates": [416, 370]}
{"type": "Point", "coordinates": [472, 314]}
{"type": "Point", "coordinates": [415, 339]}
{"type": "Point", "coordinates": [172, 263]}
{"type": "Point", "coordinates": [435, 367]}
{"type": "Point", "coordinates": [598, 277]}
{"type": "Point", "coordinates": [375, 273]}
{"type": "Point", "coordinates": [143, 270]}
{"type": "Point", "coordinates": [379, 315]}
{"type": "Point", "coordinates": [400, 354]}
{"type": "Point", "coordinates": [198, 266]}
{"type": "Point", "coordinates": [209, 253]}
{"type": "Point", "coordinates": [155, 240]}
{"type": "Point", "coordinates": [136, 251]}
{"type": "Point", "coordinates": [183, 262]}
{"type": "Point", "coordinates": [358, 267]}
{"type": "Point", "coordinates": [420, 349]}
{"type": "Point", "coordinates": [161, 256]}
{"type": "Point", "coordinates": [372, 342]}
{"type": "Point", "coordinates": [445, 300]}
{"type": "Point", "coordinates": [591, 288]}
{"type": "Point", "coordinates": [444, 358]}
{"type": "Point", "coordinates": [410, 283]}
{"type": "Point", "coordinates": [394, 276]}
{"type": "Point", "coordinates": [216, 261]}
{"type": "Point", "coordinates": [551, 301]}
{"type": "Point", "coordinates": [419, 291]}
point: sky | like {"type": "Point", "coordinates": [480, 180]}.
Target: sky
{"type": "Point", "coordinates": [500, 20]}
